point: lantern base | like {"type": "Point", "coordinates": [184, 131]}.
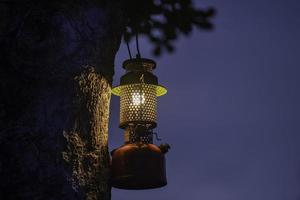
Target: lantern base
{"type": "Point", "coordinates": [138, 166]}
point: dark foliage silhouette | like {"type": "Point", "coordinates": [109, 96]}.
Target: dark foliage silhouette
{"type": "Point", "coordinates": [57, 66]}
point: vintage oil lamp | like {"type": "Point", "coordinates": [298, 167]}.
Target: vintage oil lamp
{"type": "Point", "coordinates": [138, 164]}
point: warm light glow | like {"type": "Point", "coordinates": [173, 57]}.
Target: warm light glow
{"type": "Point", "coordinates": [138, 104]}
{"type": "Point", "coordinates": [160, 90]}
{"type": "Point", "coordinates": [138, 99]}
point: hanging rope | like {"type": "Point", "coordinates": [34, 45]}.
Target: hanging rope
{"type": "Point", "coordinates": [128, 48]}
{"type": "Point", "coordinates": [138, 55]}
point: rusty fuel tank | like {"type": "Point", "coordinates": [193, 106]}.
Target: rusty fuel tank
{"type": "Point", "coordinates": [138, 166]}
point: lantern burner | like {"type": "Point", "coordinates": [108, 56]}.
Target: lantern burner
{"type": "Point", "coordinates": [139, 133]}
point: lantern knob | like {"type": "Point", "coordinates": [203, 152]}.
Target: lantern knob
{"type": "Point", "coordinates": [164, 148]}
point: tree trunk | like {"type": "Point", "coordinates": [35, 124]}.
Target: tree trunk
{"type": "Point", "coordinates": [86, 152]}
{"type": "Point", "coordinates": [56, 72]}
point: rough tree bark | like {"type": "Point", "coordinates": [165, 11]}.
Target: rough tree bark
{"type": "Point", "coordinates": [57, 63]}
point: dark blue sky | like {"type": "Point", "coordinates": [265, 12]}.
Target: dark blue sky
{"type": "Point", "coordinates": [231, 114]}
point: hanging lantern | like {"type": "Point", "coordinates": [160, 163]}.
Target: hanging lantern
{"type": "Point", "coordinates": [138, 93]}
{"type": "Point", "coordinates": [139, 164]}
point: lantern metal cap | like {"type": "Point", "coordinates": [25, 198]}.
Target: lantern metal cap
{"type": "Point", "coordinates": [139, 64]}
{"type": "Point", "coordinates": [137, 67]}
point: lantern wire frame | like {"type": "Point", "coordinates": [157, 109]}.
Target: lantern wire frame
{"type": "Point", "coordinates": [160, 90]}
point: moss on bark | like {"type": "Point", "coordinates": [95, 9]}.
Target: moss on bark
{"type": "Point", "coordinates": [86, 152]}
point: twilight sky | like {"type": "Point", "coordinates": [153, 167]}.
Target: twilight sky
{"type": "Point", "coordinates": [231, 114]}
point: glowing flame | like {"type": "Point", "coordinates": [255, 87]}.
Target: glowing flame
{"type": "Point", "coordinates": [138, 99]}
